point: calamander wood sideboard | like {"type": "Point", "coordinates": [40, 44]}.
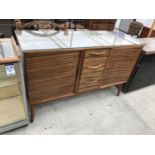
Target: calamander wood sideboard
{"type": "Point", "coordinates": [67, 71]}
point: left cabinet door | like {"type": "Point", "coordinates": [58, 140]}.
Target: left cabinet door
{"type": "Point", "coordinates": [50, 76]}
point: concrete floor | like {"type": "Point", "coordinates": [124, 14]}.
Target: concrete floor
{"type": "Point", "coordinates": [98, 112]}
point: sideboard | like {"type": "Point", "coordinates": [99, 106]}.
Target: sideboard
{"type": "Point", "coordinates": [58, 65]}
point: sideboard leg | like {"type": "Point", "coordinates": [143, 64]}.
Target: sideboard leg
{"type": "Point", "coordinates": [119, 89]}
{"type": "Point", "coordinates": [32, 114]}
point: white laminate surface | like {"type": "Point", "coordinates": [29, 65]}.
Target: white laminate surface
{"type": "Point", "coordinates": [51, 39]}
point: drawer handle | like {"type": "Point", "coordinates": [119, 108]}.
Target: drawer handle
{"type": "Point", "coordinates": [88, 82]}
{"type": "Point", "coordinates": [94, 67]}
{"type": "Point", "coordinates": [98, 53]}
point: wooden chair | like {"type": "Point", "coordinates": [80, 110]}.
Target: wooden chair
{"type": "Point", "coordinates": [135, 28]}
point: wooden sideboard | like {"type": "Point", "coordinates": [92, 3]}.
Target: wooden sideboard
{"type": "Point", "coordinates": [49, 77]}
{"type": "Point", "coordinates": [56, 73]}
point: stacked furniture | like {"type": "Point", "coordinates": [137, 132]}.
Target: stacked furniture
{"type": "Point", "coordinates": [13, 110]}
{"type": "Point", "coordinates": [58, 65]}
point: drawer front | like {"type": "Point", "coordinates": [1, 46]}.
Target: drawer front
{"type": "Point", "coordinates": [93, 67]}
{"type": "Point", "coordinates": [51, 76]}
{"type": "Point", "coordinates": [99, 54]}
{"type": "Point", "coordinates": [120, 65]}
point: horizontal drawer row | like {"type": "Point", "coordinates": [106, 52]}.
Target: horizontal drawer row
{"type": "Point", "coordinates": [93, 67]}
{"type": "Point", "coordinates": [100, 53]}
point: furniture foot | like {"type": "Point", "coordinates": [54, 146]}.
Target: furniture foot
{"type": "Point", "coordinates": [32, 114]}
{"type": "Point", "coordinates": [119, 89]}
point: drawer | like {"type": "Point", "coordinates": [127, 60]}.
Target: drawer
{"type": "Point", "coordinates": [94, 64]}
{"type": "Point", "coordinates": [90, 80]}
{"type": "Point", "coordinates": [93, 67]}
{"type": "Point", "coordinates": [9, 88]}
{"type": "Point", "coordinates": [97, 53]}
{"type": "Point", "coordinates": [89, 84]}
{"type": "Point", "coordinates": [91, 74]}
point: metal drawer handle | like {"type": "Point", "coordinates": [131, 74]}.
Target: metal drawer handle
{"type": "Point", "coordinates": [88, 82]}
{"type": "Point", "coordinates": [94, 67]}
{"type": "Point", "coordinates": [98, 53]}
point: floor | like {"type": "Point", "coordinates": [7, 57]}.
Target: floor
{"type": "Point", "coordinates": [98, 112]}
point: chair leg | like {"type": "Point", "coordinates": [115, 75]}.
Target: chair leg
{"type": "Point", "coordinates": [119, 89]}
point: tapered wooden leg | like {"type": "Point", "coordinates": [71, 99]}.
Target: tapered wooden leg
{"type": "Point", "coordinates": [119, 89]}
{"type": "Point", "coordinates": [32, 114]}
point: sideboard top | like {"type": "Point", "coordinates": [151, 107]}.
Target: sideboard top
{"type": "Point", "coordinates": [149, 45]}
{"type": "Point", "coordinates": [52, 40]}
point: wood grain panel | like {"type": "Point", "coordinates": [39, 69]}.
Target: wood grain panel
{"type": "Point", "coordinates": [100, 24]}
{"type": "Point", "coordinates": [49, 93]}
{"type": "Point", "coordinates": [51, 76]}
{"type": "Point", "coordinates": [120, 65]}
{"type": "Point", "coordinates": [93, 66]}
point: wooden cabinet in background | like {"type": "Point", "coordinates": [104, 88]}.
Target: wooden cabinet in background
{"type": "Point", "coordinates": [100, 24]}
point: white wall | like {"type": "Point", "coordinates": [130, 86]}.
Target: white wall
{"type": "Point", "coordinates": [146, 22]}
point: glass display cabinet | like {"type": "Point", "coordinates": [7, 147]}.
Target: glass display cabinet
{"type": "Point", "coordinates": [13, 106]}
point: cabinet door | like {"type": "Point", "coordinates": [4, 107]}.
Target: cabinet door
{"type": "Point", "coordinates": [120, 65]}
{"type": "Point", "coordinates": [50, 76]}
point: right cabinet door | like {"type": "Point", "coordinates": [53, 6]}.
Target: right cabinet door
{"type": "Point", "coordinates": [120, 65]}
